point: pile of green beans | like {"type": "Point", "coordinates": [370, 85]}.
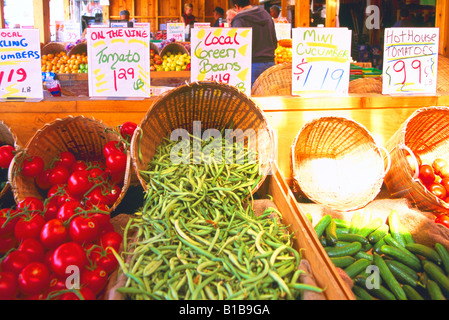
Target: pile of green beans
{"type": "Point", "coordinates": [197, 238]}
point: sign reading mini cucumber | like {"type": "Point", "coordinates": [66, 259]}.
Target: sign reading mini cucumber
{"type": "Point", "coordinates": [176, 31]}
{"type": "Point", "coordinates": [222, 55]}
{"type": "Point", "coordinates": [410, 61]}
{"type": "Point", "coordinates": [20, 64]}
{"type": "Point", "coordinates": [321, 60]}
{"type": "Point", "coordinates": [119, 63]}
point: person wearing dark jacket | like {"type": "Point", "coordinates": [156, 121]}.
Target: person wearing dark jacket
{"type": "Point", "coordinates": [264, 41]}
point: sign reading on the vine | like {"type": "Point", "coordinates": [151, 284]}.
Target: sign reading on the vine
{"type": "Point", "coordinates": [119, 64]}
{"type": "Point", "coordinates": [321, 60]}
{"type": "Point", "coordinates": [20, 64]}
{"type": "Point", "coordinates": [222, 55]}
{"type": "Point", "coordinates": [410, 61]}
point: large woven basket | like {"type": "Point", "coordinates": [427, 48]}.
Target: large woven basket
{"type": "Point", "coordinates": [154, 47]}
{"type": "Point", "coordinates": [84, 137]}
{"type": "Point", "coordinates": [276, 80]}
{"type": "Point", "coordinates": [335, 162]}
{"type": "Point", "coordinates": [216, 106]}
{"type": "Point", "coordinates": [7, 137]}
{"type": "Point", "coordinates": [53, 47]}
{"type": "Point", "coordinates": [174, 48]}
{"type": "Point", "coordinates": [79, 48]}
{"type": "Point", "coordinates": [365, 85]}
{"type": "Point", "coordinates": [425, 134]}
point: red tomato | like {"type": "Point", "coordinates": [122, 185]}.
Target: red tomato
{"type": "Point", "coordinates": [53, 234]}
{"type": "Point", "coordinates": [127, 130]}
{"type": "Point", "coordinates": [79, 165]}
{"type": "Point", "coordinates": [42, 180]}
{"type": "Point", "coordinates": [104, 259]}
{"type": "Point", "coordinates": [443, 219]}
{"type": "Point", "coordinates": [78, 183]}
{"type": "Point", "coordinates": [15, 261]}
{"type": "Point", "coordinates": [83, 230]}
{"type": "Point", "coordinates": [97, 175]}
{"type": "Point", "coordinates": [116, 178]}
{"type": "Point", "coordinates": [7, 242]}
{"type": "Point", "coordinates": [101, 219]}
{"type": "Point", "coordinates": [29, 226]}
{"type": "Point", "coordinates": [66, 159]}
{"type": "Point", "coordinates": [51, 209]}
{"type": "Point", "coordinates": [59, 175]}
{"type": "Point", "coordinates": [96, 197]}
{"type": "Point", "coordinates": [7, 221]}
{"type": "Point", "coordinates": [112, 146]}
{"type": "Point", "coordinates": [68, 209]}
{"type": "Point", "coordinates": [95, 279]}
{"type": "Point", "coordinates": [6, 156]}
{"type": "Point", "coordinates": [111, 239]}
{"type": "Point", "coordinates": [8, 285]}
{"type": "Point", "coordinates": [112, 194]}
{"type": "Point", "coordinates": [68, 254]}
{"type": "Point", "coordinates": [445, 183]}
{"type": "Point", "coordinates": [108, 227]}
{"type": "Point", "coordinates": [426, 174]}
{"type": "Point", "coordinates": [34, 278]}
{"type": "Point", "coordinates": [438, 190]}
{"type": "Point", "coordinates": [31, 204]}
{"type": "Point", "coordinates": [85, 292]}
{"type": "Point", "coordinates": [56, 284]}
{"type": "Point", "coordinates": [33, 249]}
{"type": "Point", "coordinates": [32, 166]}
{"type": "Point", "coordinates": [116, 162]}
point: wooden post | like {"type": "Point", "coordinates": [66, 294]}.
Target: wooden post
{"type": "Point", "coordinates": [41, 10]}
{"type": "Point", "coordinates": [441, 21]}
{"type": "Point", "coordinates": [331, 13]}
{"type": "Point", "coordinates": [2, 14]}
{"type": "Point", "coordinates": [284, 8]}
{"type": "Point", "coordinates": [105, 13]}
{"type": "Point", "coordinates": [302, 16]}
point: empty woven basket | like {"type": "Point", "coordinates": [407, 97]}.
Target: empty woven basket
{"type": "Point", "coordinates": [336, 163]}
{"type": "Point", "coordinates": [216, 106]}
{"type": "Point", "coordinates": [276, 80]}
{"type": "Point", "coordinates": [426, 134]}
{"type": "Point", "coordinates": [84, 137]}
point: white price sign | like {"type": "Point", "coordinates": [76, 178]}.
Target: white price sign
{"type": "Point", "coordinates": [176, 31]}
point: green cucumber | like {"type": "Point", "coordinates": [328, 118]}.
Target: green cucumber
{"type": "Point", "coordinates": [356, 220]}
{"type": "Point", "coordinates": [322, 224]}
{"type": "Point", "coordinates": [357, 267]}
{"type": "Point", "coordinates": [392, 241]}
{"type": "Point", "coordinates": [342, 231]}
{"type": "Point", "coordinates": [389, 278]}
{"type": "Point", "coordinates": [350, 237]}
{"type": "Point", "coordinates": [405, 268]}
{"type": "Point", "coordinates": [378, 245]}
{"type": "Point", "coordinates": [378, 234]}
{"type": "Point", "coordinates": [364, 255]}
{"type": "Point", "coordinates": [372, 226]}
{"type": "Point", "coordinates": [347, 250]}
{"type": "Point", "coordinates": [309, 217]}
{"type": "Point", "coordinates": [343, 262]}
{"type": "Point", "coordinates": [331, 233]}
{"type": "Point", "coordinates": [435, 273]}
{"type": "Point", "coordinates": [403, 256]}
{"type": "Point", "coordinates": [400, 275]}
{"type": "Point", "coordinates": [411, 293]}
{"type": "Point", "coordinates": [342, 223]}
{"type": "Point", "coordinates": [434, 291]}
{"type": "Point", "coordinates": [361, 293]}
{"type": "Point", "coordinates": [395, 227]}
{"type": "Point", "coordinates": [379, 292]}
{"type": "Point", "coordinates": [444, 255]}
{"type": "Point", "coordinates": [424, 251]}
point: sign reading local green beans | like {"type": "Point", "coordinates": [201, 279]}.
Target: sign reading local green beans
{"type": "Point", "coordinates": [198, 237]}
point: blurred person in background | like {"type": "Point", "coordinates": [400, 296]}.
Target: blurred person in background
{"type": "Point", "coordinates": [218, 14]}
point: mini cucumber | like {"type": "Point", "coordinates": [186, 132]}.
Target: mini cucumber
{"type": "Point", "coordinates": [331, 233]}
{"type": "Point", "coordinates": [425, 251]}
{"type": "Point", "coordinates": [411, 293]}
{"type": "Point", "coordinates": [309, 217]}
{"type": "Point", "coordinates": [361, 293]}
{"type": "Point", "coordinates": [406, 235]}
{"type": "Point", "coordinates": [322, 224]}
{"type": "Point", "coordinates": [378, 245]}
{"type": "Point", "coordinates": [323, 241]}
{"type": "Point", "coordinates": [337, 245]}
{"type": "Point", "coordinates": [364, 255]}
{"type": "Point", "coordinates": [389, 278]}
{"type": "Point", "coordinates": [435, 273]}
{"type": "Point", "coordinates": [412, 273]}
{"type": "Point", "coordinates": [347, 250]}
{"type": "Point", "coordinates": [342, 223]}
{"type": "Point", "coordinates": [350, 237]}
{"type": "Point", "coordinates": [356, 220]}
{"type": "Point", "coordinates": [343, 262]}
{"type": "Point", "coordinates": [403, 256]}
{"type": "Point", "coordinates": [400, 275]}
{"type": "Point", "coordinates": [372, 226]}
{"type": "Point", "coordinates": [378, 234]}
{"type": "Point", "coordinates": [357, 267]}
{"type": "Point", "coordinates": [434, 291]}
{"type": "Point", "coordinates": [395, 227]}
{"type": "Point", "coordinates": [444, 255]}
{"type": "Point", "coordinates": [379, 291]}
{"type": "Point", "coordinates": [392, 242]}
{"type": "Point", "coordinates": [342, 230]}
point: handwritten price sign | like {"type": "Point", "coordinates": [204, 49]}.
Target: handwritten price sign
{"type": "Point", "coordinates": [119, 63]}
{"type": "Point", "coordinates": [410, 61]}
{"type": "Point", "coordinates": [321, 61]}
{"type": "Point", "coordinates": [72, 31]}
{"type": "Point", "coordinates": [20, 64]}
{"type": "Point", "coordinates": [223, 55]}
{"type": "Point", "coordinates": [176, 31]}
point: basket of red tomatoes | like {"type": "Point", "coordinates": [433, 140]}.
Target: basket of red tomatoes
{"type": "Point", "coordinates": [58, 242]}
{"type": "Point", "coordinates": [8, 146]}
{"type": "Point", "coordinates": [420, 160]}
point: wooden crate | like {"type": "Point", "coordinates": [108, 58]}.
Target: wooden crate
{"type": "Point", "coordinates": [324, 271]}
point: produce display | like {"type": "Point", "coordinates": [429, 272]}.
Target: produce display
{"type": "Point", "coordinates": [170, 62]}
{"type": "Point", "coordinates": [283, 52]}
{"type": "Point", "coordinates": [62, 63]}
{"type": "Point", "coordinates": [42, 243]}
{"type": "Point", "coordinates": [197, 236]}
{"type": "Point", "coordinates": [383, 260]}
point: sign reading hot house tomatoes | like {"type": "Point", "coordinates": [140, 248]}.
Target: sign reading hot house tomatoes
{"type": "Point", "coordinates": [223, 55]}
{"type": "Point", "coordinates": [20, 64]}
{"type": "Point", "coordinates": [119, 62]}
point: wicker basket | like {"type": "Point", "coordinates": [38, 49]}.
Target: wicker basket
{"type": "Point", "coordinates": [365, 85]}
{"type": "Point", "coordinates": [276, 80]}
{"type": "Point", "coordinates": [426, 134]}
{"type": "Point", "coordinates": [335, 162]}
{"type": "Point", "coordinates": [174, 48]}
{"type": "Point", "coordinates": [443, 74]}
{"type": "Point", "coordinates": [79, 48]}
{"type": "Point", "coordinates": [7, 137]}
{"type": "Point", "coordinates": [84, 137]}
{"type": "Point", "coordinates": [53, 47]}
{"type": "Point", "coordinates": [154, 47]}
{"type": "Point", "coordinates": [216, 106]}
